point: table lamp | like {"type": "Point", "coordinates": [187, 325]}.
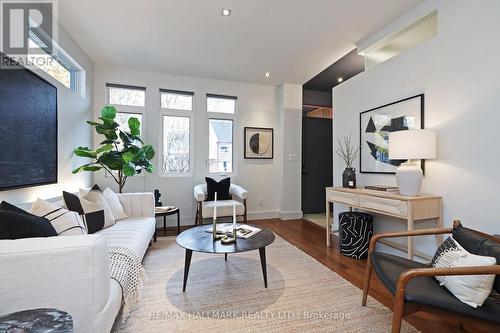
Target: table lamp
{"type": "Point", "coordinates": [411, 145]}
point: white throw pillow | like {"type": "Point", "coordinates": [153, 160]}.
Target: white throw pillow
{"type": "Point", "coordinates": [114, 204]}
{"type": "Point", "coordinates": [473, 290]}
{"type": "Point", "coordinates": [65, 222]}
{"type": "Point", "coordinates": [92, 201]}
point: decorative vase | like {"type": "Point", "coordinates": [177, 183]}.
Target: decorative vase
{"type": "Point", "coordinates": [349, 178]}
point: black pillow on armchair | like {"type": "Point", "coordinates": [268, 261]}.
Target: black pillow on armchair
{"type": "Point", "coordinates": [221, 187]}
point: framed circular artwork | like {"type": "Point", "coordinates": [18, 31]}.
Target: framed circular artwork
{"type": "Point", "coordinates": [259, 143]}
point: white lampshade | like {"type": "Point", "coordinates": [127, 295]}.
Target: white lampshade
{"type": "Point", "coordinates": [412, 145]}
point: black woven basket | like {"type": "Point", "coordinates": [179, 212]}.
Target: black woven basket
{"type": "Point", "coordinates": [355, 230]}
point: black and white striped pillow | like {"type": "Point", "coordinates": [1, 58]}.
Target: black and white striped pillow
{"type": "Point", "coordinates": [65, 222]}
{"type": "Point", "coordinates": [93, 216]}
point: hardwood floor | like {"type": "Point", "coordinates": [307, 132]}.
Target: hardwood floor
{"type": "Point", "coordinates": [310, 238]}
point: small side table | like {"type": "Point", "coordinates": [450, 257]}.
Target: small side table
{"type": "Point", "coordinates": [164, 215]}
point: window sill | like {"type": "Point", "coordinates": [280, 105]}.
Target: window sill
{"type": "Point", "coordinates": [175, 175]}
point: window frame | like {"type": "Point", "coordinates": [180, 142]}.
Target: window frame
{"type": "Point", "coordinates": [177, 92]}
{"type": "Point", "coordinates": [164, 112]}
{"type": "Point", "coordinates": [128, 109]}
{"type": "Point", "coordinates": [76, 72]}
{"type": "Point", "coordinates": [222, 116]}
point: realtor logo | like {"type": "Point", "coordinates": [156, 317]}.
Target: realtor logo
{"type": "Point", "coordinates": [27, 26]}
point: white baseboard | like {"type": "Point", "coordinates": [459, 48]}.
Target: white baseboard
{"type": "Point", "coordinates": [252, 216]}
{"type": "Point", "coordinates": [291, 215]}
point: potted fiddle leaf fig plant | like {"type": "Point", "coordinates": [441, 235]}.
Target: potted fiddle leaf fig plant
{"type": "Point", "coordinates": [347, 152]}
{"type": "Point", "coordinates": [122, 154]}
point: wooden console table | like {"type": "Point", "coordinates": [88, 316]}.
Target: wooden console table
{"type": "Point", "coordinates": [411, 209]}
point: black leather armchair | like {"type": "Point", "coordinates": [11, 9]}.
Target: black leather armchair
{"type": "Point", "coordinates": [415, 288]}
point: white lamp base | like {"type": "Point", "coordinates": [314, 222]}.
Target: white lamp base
{"type": "Point", "coordinates": [409, 177]}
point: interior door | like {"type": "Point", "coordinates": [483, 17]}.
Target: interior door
{"type": "Point", "coordinates": [317, 163]}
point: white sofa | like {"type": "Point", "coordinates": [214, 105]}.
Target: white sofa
{"type": "Point", "coordinates": [71, 273]}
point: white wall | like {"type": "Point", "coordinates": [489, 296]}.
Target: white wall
{"type": "Point", "coordinates": [256, 106]}
{"type": "Point", "coordinates": [72, 114]}
{"type": "Point", "coordinates": [459, 71]}
{"type": "Point", "coordinates": [290, 110]}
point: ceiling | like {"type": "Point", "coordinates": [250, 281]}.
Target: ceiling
{"type": "Point", "coordinates": [292, 39]}
{"type": "Point", "coordinates": [346, 67]}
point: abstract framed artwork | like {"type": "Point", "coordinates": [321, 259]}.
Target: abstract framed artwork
{"type": "Point", "coordinates": [259, 143]}
{"type": "Point", "coordinates": [28, 109]}
{"type": "Point", "coordinates": [374, 128]}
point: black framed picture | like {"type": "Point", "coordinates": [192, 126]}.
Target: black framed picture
{"type": "Point", "coordinates": [374, 128]}
{"type": "Point", "coordinates": [259, 143]}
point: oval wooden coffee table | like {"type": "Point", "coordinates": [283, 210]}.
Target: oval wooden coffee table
{"type": "Point", "coordinates": [198, 240]}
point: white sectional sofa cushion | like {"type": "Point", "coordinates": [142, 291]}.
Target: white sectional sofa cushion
{"type": "Point", "coordinates": [71, 273]}
{"type": "Point", "coordinates": [133, 232]}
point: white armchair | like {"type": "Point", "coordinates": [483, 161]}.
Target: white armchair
{"type": "Point", "coordinates": [205, 209]}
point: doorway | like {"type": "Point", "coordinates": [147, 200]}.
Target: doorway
{"type": "Point", "coordinates": [317, 160]}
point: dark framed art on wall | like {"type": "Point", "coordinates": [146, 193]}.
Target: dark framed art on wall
{"type": "Point", "coordinates": [28, 109]}
{"type": "Point", "coordinates": [259, 143]}
{"type": "Point", "coordinates": [374, 128]}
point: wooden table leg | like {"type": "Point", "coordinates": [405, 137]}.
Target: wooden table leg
{"type": "Point", "coordinates": [439, 223]}
{"type": "Point", "coordinates": [187, 263]}
{"type": "Point", "coordinates": [225, 256]}
{"type": "Point", "coordinates": [327, 223]}
{"type": "Point", "coordinates": [262, 252]}
{"type": "Point", "coordinates": [178, 222]}
{"type": "Point", "coordinates": [410, 228]}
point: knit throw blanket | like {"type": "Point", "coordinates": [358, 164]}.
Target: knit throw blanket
{"type": "Point", "coordinates": [127, 270]}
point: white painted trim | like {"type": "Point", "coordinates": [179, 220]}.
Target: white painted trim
{"type": "Point", "coordinates": [291, 215]}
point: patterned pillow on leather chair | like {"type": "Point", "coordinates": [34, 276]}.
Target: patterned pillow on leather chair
{"type": "Point", "coordinates": [472, 290]}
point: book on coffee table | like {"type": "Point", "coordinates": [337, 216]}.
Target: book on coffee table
{"type": "Point", "coordinates": [164, 209]}
{"type": "Point", "coordinates": [242, 230]}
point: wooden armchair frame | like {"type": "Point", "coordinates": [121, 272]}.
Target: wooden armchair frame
{"type": "Point", "coordinates": [400, 309]}
{"type": "Point", "coordinates": [199, 218]}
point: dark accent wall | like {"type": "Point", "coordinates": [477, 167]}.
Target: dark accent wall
{"type": "Point", "coordinates": [346, 67]}
{"type": "Point", "coordinates": [317, 98]}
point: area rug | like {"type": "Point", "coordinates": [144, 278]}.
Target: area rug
{"type": "Point", "coordinates": [229, 296]}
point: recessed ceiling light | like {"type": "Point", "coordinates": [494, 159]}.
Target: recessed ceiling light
{"type": "Point", "coordinates": [340, 79]}
{"type": "Point", "coordinates": [225, 12]}
{"type": "Point", "coordinates": [268, 74]}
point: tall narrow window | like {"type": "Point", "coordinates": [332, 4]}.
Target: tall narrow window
{"type": "Point", "coordinates": [130, 101]}
{"type": "Point", "coordinates": [220, 145]}
{"type": "Point", "coordinates": [176, 111]}
{"type": "Point", "coordinates": [221, 111]}
{"type": "Point", "coordinates": [176, 144]}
